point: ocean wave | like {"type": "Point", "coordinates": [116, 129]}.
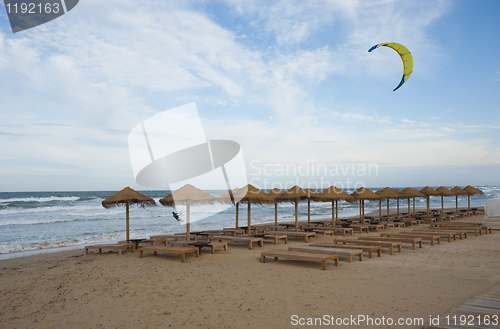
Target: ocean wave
{"type": "Point", "coordinates": [46, 199]}
{"type": "Point", "coordinates": [13, 211]}
{"type": "Point", "coordinates": [37, 221]}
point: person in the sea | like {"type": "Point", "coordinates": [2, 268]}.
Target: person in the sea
{"type": "Point", "coordinates": [176, 215]}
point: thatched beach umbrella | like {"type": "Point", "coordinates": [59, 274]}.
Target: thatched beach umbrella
{"type": "Point", "coordinates": [428, 191]}
{"type": "Point", "coordinates": [294, 194]}
{"type": "Point", "coordinates": [442, 191]}
{"type": "Point", "coordinates": [411, 193]}
{"type": "Point", "coordinates": [126, 197]}
{"type": "Point", "coordinates": [363, 194]}
{"type": "Point", "coordinates": [274, 193]}
{"type": "Point", "coordinates": [188, 195]}
{"type": "Point", "coordinates": [456, 191]}
{"type": "Point", "coordinates": [333, 194]}
{"type": "Point", "coordinates": [250, 194]}
{"type": "Point", "coordinates": [471, 190]}
{"type": "Point", "coordinates": [387, 193]}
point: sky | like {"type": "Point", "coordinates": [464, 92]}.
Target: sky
{"type": "Point", "coordinates": [291, 81]}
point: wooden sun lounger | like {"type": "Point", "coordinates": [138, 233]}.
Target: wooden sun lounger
{"type": "Point", "coordinates": [448, 234]}
{"type": "Point", "coordinates": [388, 244]}
{"type": "Point", "coordinates": [275, 238]}
{"type": "Point", "coordinates": [487, 229]}
{"type": "Point", "coordinates": [271, 227]}
{"type": "Point", "coordinates": [369, 249]}
{"type": "Point", "coordinates": [403, 234]}
{"type": "Point", "coordinates": [360, 227]}
{"type": "Point", "coordinates": [462, 231]}
{"type": "Point", "coordinates": [387, 224]}
{"type": "Point", "coordinates": [296, 234]}
{"type": "Point", "coordinates": [344, 230]}
{"type": "Point", "coordinates": [296, 255]}
{"type": "Point", "coordinates": [118, 246]}
{"type": "Point", "coordinates": [376, 227]}
{"type": "Point", "coordinates": [246, 239]}
{"type": "Point", "coordinates": [411, 240]}
{"type": "Point", "coordinates": [330, 251]}
{"type": "Point", "coordinates": [324, 232]}
{"type": "Point", "coordinates": [173, 236]}
{"type": "Point", "coordinates": [235, 231]}
{"type": "Point", "coordinates": [170, 250]}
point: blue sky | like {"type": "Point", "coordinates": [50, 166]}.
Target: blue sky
{"type": "Point", "coordinates": [291, 81]}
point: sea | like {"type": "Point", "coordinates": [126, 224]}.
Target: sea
{"type": "Point", "coordinates": [40, 222]}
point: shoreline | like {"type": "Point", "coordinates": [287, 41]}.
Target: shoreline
{"type": "Point", "coordinates": [234, 289]}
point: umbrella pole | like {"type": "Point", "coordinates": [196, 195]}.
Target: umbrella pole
{"type": "Point", "coordinates": [237, 212]}
{"type": "Point", "coordinates": [359, 209]}
{"type": "Point", "coordinates": [428, 211]}
{"type": "Point", "coordinates": [456, 203]}
{"type": "Point", "coordinates": [442, 205]}
{"type": "Point", "coordinates": [333, 213]}
{"type": "Point", "coordinates": [276, 214]}
{"type": "Point", "coordinates": [398, 208]}
{"type": "Point", "coordinates": [363, 211]}
{"type": "Point", "coordinates": [387, 208]}
{"type": "Point", "coordinates": [409, 209]}
{"type": "Point", "coordinates": [296, 214]}
{"type": "Point", "coordinates": [249, 222]}
{"type": "Point", "coordinates": [336, 211]}
{"type": "Point", "coordinates": [127, 211]}
{"type": "Point", "coordinates": [380, 208]}
{"type": "Point", "coordinates": [188, 222]}
{"type": "Point", "coordinates": [414, 205]}
{"type": "Point", "coordinates": [469, 200]}
{"type": "Point", "coordinates": [308, 210]}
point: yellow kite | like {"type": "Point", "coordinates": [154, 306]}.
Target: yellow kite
{"type": "Point", "coordinates": [405, 57]}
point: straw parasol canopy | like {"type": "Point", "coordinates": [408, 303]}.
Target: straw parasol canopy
{"type": "Point", "coordinates": [274, 193]}
{"type": "Point", "coordinates": [411, 193]}
{"type": "Point", "coordinates": [333, 194]}
{"type": "Point", "coordinates": [250, 194]}
{"type": "Point", "coordinates": [126, 197]}
{"type": "Point", "coordinates": [363, 194]}
{"type": "Point", "coordinates": [386, 193]}
{"type": "Point", "coordinates": [188, 195]}
{"type": "Point", "coordinates": [456, 191]}
{"type": "Point", "coordinates": [470, 190]}
{"type": "Point", "coordinates": [428, 191]}
{"type": "Point", "coordinates": [294, 194]}
{"type": "Point", "coordinates": [442, 191]}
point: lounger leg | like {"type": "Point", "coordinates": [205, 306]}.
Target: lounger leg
{"type": "Point", "coordinates": [399, 248]}
{"type": "Point", "coordinates": [414, 245]}
{"type": "Point", "coordinates": [262, 259]}
{"type": "Point", "coordinates": [213, 250]}
{"type": "Point", "coordinates": [250, 245]}
{"type": "Point", "coordinates": [140, 256]}
{"type": "Point", "coordinates": [349, 258]}
{"type": "Point", "coordinates": [100, 250]}
{"type": "Point", "coordinates": [275, 240]}
{"type": "Point", "coordinates": [133, 248]}
{"type": "Point", "coordinates": [323, 264]}
{"type": "Point", "coordinates": [307, 240]}
{"type": "Point", "coordinates": [183, 257]}
{"type": "Point", "coordinates": [86, 251]}
{"type": "Point", "coordinates": [390, 250]}
{"type": "Point", "coordinates": [119, 251]}
{"type": "Point", "coordinates": [361, 256]}
{"type": "Point", "coordinates": [276, 258]}
{"type": "Point", "coordinates": [261, 243]}
{"type": "Point", "coordinates": [155, 253]}
{"type": "Point", "coordinates": [379, 252]}
{"type": "Point", "coordinates": [369, 254]}
{"type": "Point", "coordinates": [197, 253]}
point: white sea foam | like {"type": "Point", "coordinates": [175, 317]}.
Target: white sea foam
{"type": "Point", "coordinates": [46, 199]}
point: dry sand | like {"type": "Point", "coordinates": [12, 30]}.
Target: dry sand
{"type": "Point", "coordinates": [232, 289]}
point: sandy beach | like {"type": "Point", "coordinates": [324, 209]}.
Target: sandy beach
{"type": "Point", "coordinates": [233, 289]}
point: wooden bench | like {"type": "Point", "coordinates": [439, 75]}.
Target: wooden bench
{"type": "Point", "coordinates": [296, 255]}
{"type": "Point", "coordinates": [388, 244]}
{"type": "Point", "coordinates": [403, 234]}
{"type": "Point", "coordinates": [360, 227]}
{"type": "Point", "coordinates": [275, 238]}
{"type": "Point", "coordinates": [324, 232]}
{"type": "Point", "coordinates": [170, 250]}
{"type": "Point", "coordinates": [110, 246]}
{"type": "Point", "coordinates": [344, 230]}
{"type": "Point", "coordinates": [235, 231]}
{"type": "Point", "coordinates": [376, 227]}
{"type": "Point", "coordinates": [246, 239]}
{"type": "Point", "coordinates": [487, 229]}
{"type": "Point", "coordinates": [271, 227]}
{"type": "Point", "coordinates": [330, 251]}
{"type": "Point", "coordinates": [369, 249]}
{"type": "Point", "coordinates": [174, 236]}
{"type": "Point", "coordinates": [387, 224]}
{"type": "Point", "coordinates": [214, 245]}
{"type": "Point", "coordinates": [460, 229]}
{"type": "Point", "coordinates": [448, 234]}
{"type": "Point", "coordinates": [411, 240]}
{"type": "Point", "coordinates": [296, 234]}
